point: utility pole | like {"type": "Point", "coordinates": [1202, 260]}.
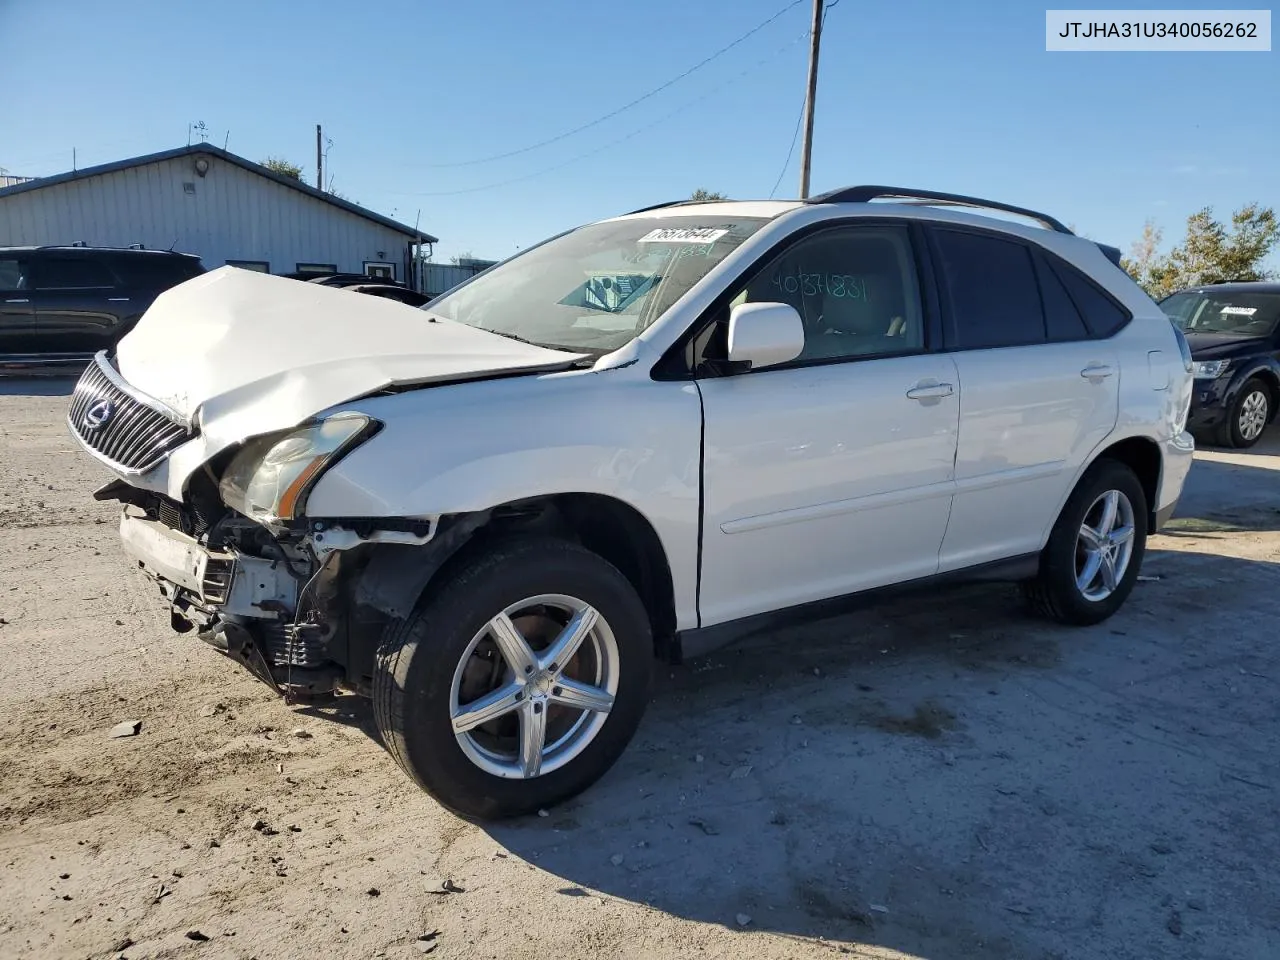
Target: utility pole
{"type": "Point", "coordinates": [806, 145]}
{"type": "Point", "coordinates": [319, 161]}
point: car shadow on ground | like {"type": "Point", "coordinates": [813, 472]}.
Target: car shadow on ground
{"type": "Point", "coordinates": [945, 776]}
{"type": "Point", "coordinates": [1231, 491]}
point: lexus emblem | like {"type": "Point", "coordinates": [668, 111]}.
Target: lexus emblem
{"type": "Point", "coordinates": [98, 414]}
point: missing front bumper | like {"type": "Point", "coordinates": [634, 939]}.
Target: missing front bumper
{"type": "Point", "coordinates": [243, 606]}
{"type": "Point", "coordinates": [234, 584]}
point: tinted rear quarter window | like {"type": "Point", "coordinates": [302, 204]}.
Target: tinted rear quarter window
{"type": "Point", "coordinates": [158, 272]}
{"type": "Point", "coordinates": [991, 288]}
{"type": "Point", "coordinates": [1102, 315]}
{"type": "Point", "coordinates": [1062, 319]}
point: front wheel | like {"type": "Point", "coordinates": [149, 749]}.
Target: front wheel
{"type": "Point", "coordinates": [519, 681]}
{"type": "Point", "coordinates": [1094, 553]}
{"type": "Point", "coordinates": [1248, 416]}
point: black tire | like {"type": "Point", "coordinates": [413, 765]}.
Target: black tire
{"type": "Point", "coordinates": [1054, 592]}
{"type": "Point", "coordinates": [1229, 432]}
{"type": "Point", "coordinates": [418, 656]}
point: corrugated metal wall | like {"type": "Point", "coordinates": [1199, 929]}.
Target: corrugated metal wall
{"type": "Point", "coordinates": [439, 277]}
{"type": "Point", "coordinates": [231, 215]}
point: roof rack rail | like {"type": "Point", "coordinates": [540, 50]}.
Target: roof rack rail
{"type": "Point", "coordinates": [865, 194]}
{"type": "Point", "coordinates": [673, 203]}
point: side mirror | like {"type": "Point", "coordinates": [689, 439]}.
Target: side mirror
{"type": "Point", "coordinates": [764, 334]}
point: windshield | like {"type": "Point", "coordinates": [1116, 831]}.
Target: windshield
{"type": "Point", "coordinates": [596, 288]}
{"type": "Point", "coordinates": [1226, 314]}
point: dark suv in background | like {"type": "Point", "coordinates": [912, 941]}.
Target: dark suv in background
{"type": "Point", "coordinates": [1233, 330]}
{"type": "Point", "coordinates": [61, 305]}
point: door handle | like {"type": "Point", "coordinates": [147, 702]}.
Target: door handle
{"type": "Point", "coordinates": [930, 392]}
{"type": "Point", "coordinates": [17, 301]}
{"type": "Point", "coordinates": [1097, 372]}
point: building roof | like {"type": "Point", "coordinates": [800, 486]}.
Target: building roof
{"type": "Point", "coordinates": [217, 152]}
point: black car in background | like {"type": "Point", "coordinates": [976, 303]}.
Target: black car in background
{"type": "Point", "coordinates": [1233, 330]}
{"type": "Point", "coordinates": [371, 286]}
{"type": "Point", "coordinates": [61, 305]}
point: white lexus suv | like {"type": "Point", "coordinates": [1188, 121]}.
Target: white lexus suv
{"type": "Point", "coordinates": [634, 441]}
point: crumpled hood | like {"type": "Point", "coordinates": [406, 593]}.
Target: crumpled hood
{"type": "Point", "coordinates": [244, 353]}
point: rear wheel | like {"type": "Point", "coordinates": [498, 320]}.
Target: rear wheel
{"type": "Point", "coordinates": [1248, 416]}
{"type": "Point", "coordinates": [519, 681]}
{"type": "Point", "coordinates": [1094, 553]}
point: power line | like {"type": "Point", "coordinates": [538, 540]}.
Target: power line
{"type": "Point", "coordinates": [799, 119]}
{"type": "Point", "coordinates": [622, 109]}
{"type": "Point", "coordinates": [613, 143]}
{"type": "Point", "coordinates": [790, 150]}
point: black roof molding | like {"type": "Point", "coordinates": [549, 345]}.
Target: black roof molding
{"type": "Point", "coordinates": [220, 154]}
{"type": "Point", "coordinates": [865, 194]}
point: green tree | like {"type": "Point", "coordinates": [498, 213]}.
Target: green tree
{"type": "Point", "coordinates": [283, 167]}
{"type": "Point", "coordinates": [706, 196]}
{"type": "Point", "coordinates": [1146, 264]}
{"type": "Point", "coordinates": [1211, 252]}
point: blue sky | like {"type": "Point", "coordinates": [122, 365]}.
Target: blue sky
{"type": "Point", "coordinates": [957, 96]}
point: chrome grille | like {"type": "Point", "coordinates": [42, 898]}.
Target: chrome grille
{"type": "Point", "coordinates": [129, 432]}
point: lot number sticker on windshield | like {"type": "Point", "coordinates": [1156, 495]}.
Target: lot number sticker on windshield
{"type": "Point", "coordinates": [1240, 311]}
{"type": "Point", "coordinates": [690, 235]}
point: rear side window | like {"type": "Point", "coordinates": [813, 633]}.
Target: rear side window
{"type": "Point", "coordinates": [1061, 318]}
{"type": "Point", "coordinates": [991, 286]}
{"type": "Point", "coordinates": [158, 272]}
{"type": "Point", "coordinates": [1102, 315]}
{"type": "Point", "coordinates": [70, 273]}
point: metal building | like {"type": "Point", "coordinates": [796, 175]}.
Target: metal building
{"type": "Point", "coordinates": [221, 207]}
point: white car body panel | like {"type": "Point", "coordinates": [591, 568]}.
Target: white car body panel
{"type": "Point", "coordinates": [1028, 420]}
{"type": "Point", "coordinates": [823, 480]}
{"type": "Point", "coordinates": [472, 446]}
{"type": "Point", "coordinates": [818, 481]}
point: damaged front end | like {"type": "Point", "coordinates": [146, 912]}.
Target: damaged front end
{"type": "Point", "coordinates": [239, 563]}
{"type": "Point", "coordinates": [257, 597]}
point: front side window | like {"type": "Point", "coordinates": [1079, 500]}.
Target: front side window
{"type": "Point", "coordinates": [855, 289]}
{"type": "Point", "coordinates": [992, 289]}
{"type": "Point", "coordinates": [1226, 314]}
{"type": "Point", "coordinates": [596, 288]}
{"type": "Point", "coordinates": [70, 273]}
{"type": "Point", "coordinates": [12, 274]}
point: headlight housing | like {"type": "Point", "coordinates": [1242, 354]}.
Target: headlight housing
{"type": "Point", "coordinates": [1209, 369]}
{"type": "Point", "coordinates": [268, 480]}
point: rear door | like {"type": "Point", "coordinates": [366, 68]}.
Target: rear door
{"type": "Point", "coordinates": [1037, 393]}
{"type": "Point", "coordinates": [78, 304]}
{"type": "Point", "coordinates": [17, 315]}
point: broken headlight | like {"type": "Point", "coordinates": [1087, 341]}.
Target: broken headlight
{"type": "Point", "coordinates": [269, 478]}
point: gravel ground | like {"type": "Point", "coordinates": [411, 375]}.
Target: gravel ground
{"type": "Point", "coordinates": [935, 777]}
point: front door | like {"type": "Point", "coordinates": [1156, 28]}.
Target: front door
{"type": "Point", "coordinates": [1038, 394]}
{"type": "Point", "coordinates": [17, 315]}
{"type": "Point", "coordinates": [833, 473]}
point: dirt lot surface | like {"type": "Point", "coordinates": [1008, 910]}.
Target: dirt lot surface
{"type": "Point", "coordinates": [937, 777]}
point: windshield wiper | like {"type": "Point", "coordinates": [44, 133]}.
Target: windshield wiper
{"type": "Point", "coordinates": [512, 336]}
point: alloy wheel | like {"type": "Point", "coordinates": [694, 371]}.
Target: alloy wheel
{"type": "Point", "coordinates": [535, 686]}
{"type": "Point", "coordinates": [1253, 415]}
{"type": "Point", "coordinates": [1104, 545]}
